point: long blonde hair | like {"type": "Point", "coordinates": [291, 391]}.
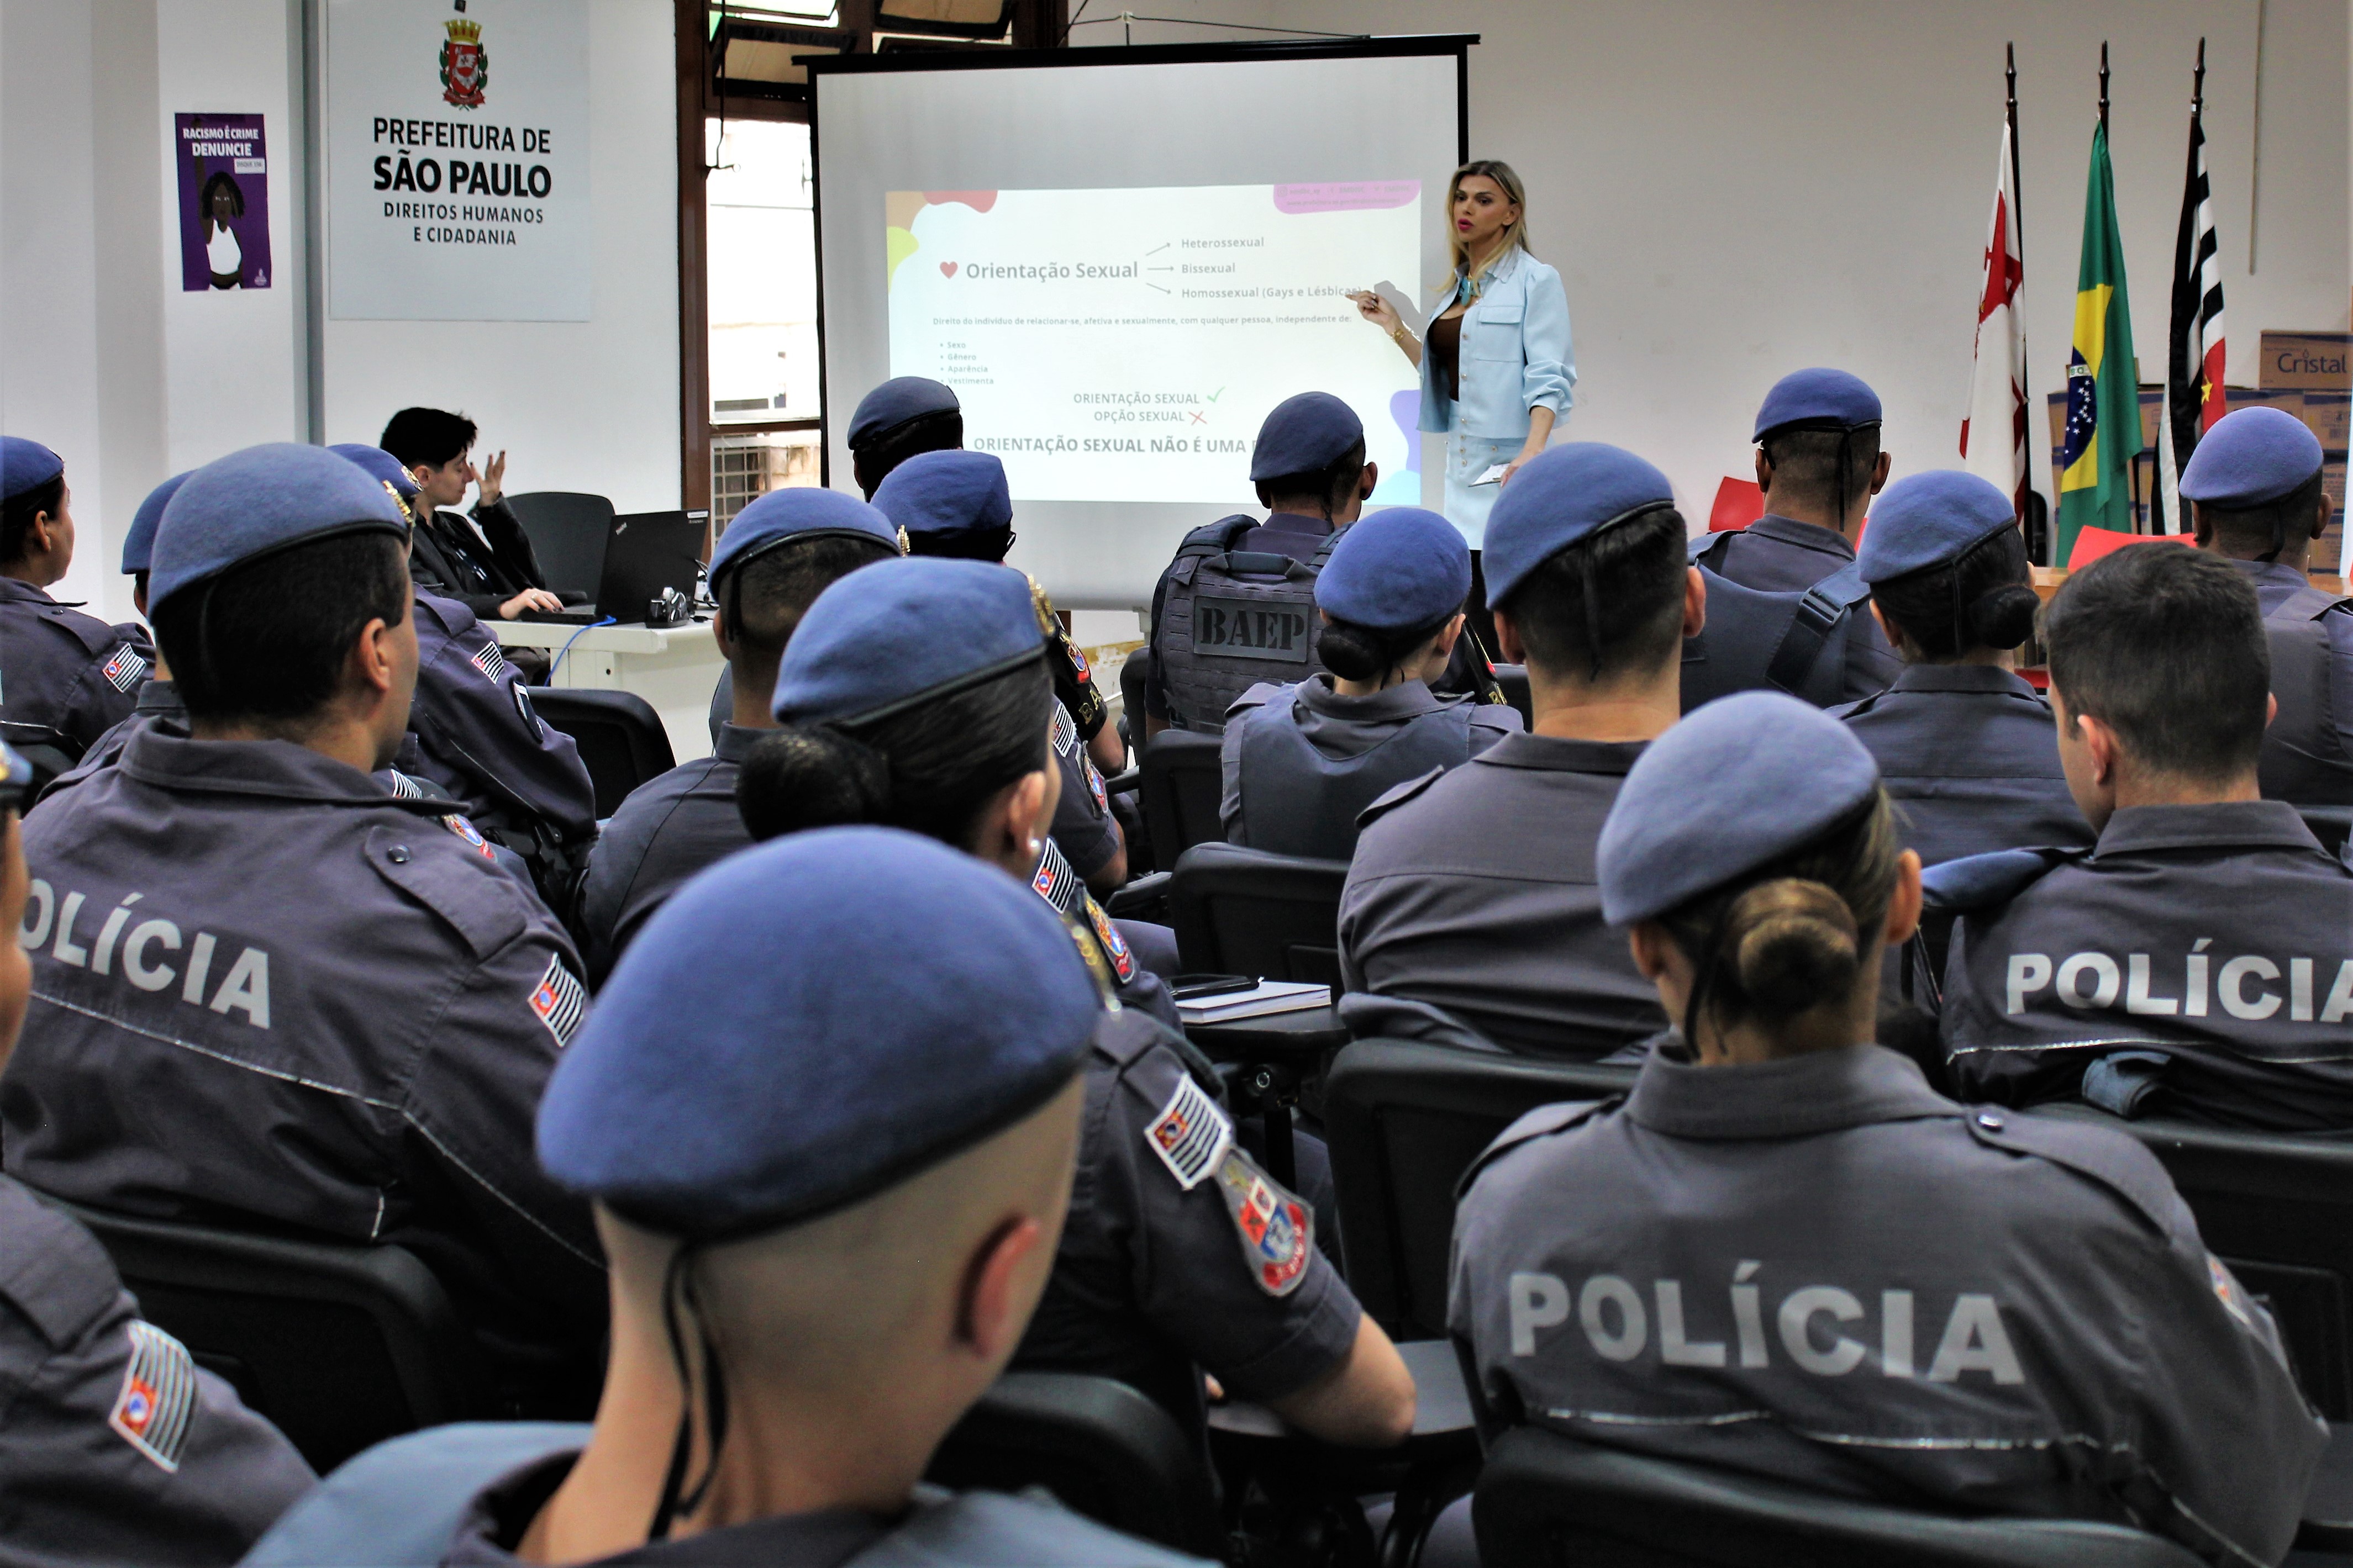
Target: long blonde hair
{"type": "Point", "coordinates": [1516, 233]}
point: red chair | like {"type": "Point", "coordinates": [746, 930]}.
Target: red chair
{"type": "Point", "coordinates": [2091, 543]}
{"type": "Point", "coordinates": [1738, 503]}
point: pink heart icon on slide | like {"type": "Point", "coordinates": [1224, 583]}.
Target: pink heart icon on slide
{"type": "Point", "coordinates": [947, 268]}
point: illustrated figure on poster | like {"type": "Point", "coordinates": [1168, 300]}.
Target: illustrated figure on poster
{"type": "Point", "coordinates": [222, 202]}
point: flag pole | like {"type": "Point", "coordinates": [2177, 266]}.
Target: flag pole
{"type": "Point", "coordinates": [2104, 84]}
{"type": "Point", "coordinates": [2017, 196]}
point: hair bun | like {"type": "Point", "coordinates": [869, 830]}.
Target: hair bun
{"type": "Point", "coordinates": [1352, 652]}
{"type": "Point", "coordinates": [1792, 944]}
{"type": "Point", "coordinates": [2004, 617]}
{"type": "Point", "coordinates": [801, 778]}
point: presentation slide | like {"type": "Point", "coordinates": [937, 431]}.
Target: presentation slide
{"type": "Point", "coordinates": [1125, 344]}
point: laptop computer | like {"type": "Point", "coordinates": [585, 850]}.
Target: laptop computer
{"type": "Point", "coordinates": [644, 553]}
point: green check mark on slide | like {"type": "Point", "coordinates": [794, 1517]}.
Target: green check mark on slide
{"type": "Point", "coordinates": [1215, 396]}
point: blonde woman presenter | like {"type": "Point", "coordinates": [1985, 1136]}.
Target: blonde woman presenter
{"type": "Point", "coordinates": [1496, 360]}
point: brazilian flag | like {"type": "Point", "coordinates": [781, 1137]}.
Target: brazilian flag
{"type": "Point", "coordinates": [2103, 433]}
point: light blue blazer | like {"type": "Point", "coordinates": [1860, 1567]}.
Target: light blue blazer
{"type": "Point", "coordinates": [1516, 353]}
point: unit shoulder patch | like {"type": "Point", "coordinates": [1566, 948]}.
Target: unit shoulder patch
{"type": "Point", "coordinates": [1276, 1226]}
{"type": "Point", "coordinates": [125, 670]}
{"type": "Point", "coordinates": [1114, 946]}
{"type": "Point", "coordinates": [469, 832]}
{"type": "Point", "coordinates": [158, 1396]}
{"type": "Point", "coordinates": [492, 663]}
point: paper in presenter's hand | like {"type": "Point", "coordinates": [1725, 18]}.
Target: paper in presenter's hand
{"type": "Point", "coordinates": [1493, 476]}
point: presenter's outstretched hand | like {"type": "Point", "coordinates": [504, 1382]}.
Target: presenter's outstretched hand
{"type": "Point", "coordinates": [1383, 314]}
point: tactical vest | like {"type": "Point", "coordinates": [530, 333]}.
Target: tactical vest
{"type": "Point", "coordinates": [1226, 620]}
{"type": "Point", "coordinates": [2303, 758]}
{"type": "Point", "coordinates": [1757, 638]}
{"type": "Point", "coordinates": [1297, 801]}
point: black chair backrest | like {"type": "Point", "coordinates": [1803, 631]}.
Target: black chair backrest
{"type": "Point", "coordinates": [1103, 1450]}
{"type": "Point", "coordinates": [621, 739]}
{"type": "Point", "coordinates": [1513, 679]}
{"type": "Point", "coordinates": [568, 532]}
{"type": "Point", "coordinates": [342, 1346]}
{"type": "Point", "coordinates": [1404, 1120]}
{"type": "Point", "coordinates": [2278, 1209]}
{"type": "Point", "coordinates": [1544, 1499]}
{"type": "Point", "coordinates": [1246, 911]}
{"type": "Point", "coordinates": [1181, 784]}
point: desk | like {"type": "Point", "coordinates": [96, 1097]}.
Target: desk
{"type": "Point", "coordinates": [673, 668]}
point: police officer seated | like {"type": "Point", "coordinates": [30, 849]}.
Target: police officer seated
{"type": "Point", "coordinates": [1819, 464]}
{"type": "Point", "coordinates": [270, 993]}
{"type": "Point", "coordinates": [1783, 1254]}
{"type": "Point", "coordinates": [114, 1446]}
{"type": "Point", "coordinates": [1309, 470]}
{"type": "Point", "coordinates": [2254, 487]}
{"type": "Point", "coordinates": [159, 698]}
{"type": "Point", "coordinates": [905, 416]}
{"type": "Point", "coordinates": [71, 677]}
{"type": "Point", "coordinates": [1302, 761]}
{"type": "Point", "coordinates": [2199, 959]}
{"type": "Point", "coordinates": [957, 505]}
{"type": "Point", "coordinates": [1966, 748]}
{"type": "Point", "coordinates": [476, 738]}
{"type": "Point", "coordinates": [808, 1287]}
{"type": "Point", "coordinates": [482, 559]}
{"type": "Point", "coordinates": [1470, 914]}
{"type": "Point", "coordinates": [777, 554]}
{"type": "Point", "coordinates": [915, 695]}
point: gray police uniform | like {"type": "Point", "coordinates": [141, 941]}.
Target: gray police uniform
{"type": "Point", "coordinates": [159, 703]}
{"type": "Point", "coordinates": [2200, 953]}
{"type": "Point", "coordinates": [1083, 826]}
{"type": "Point", "coordinates": [1179, 1252]}
{"type": "Point", "coordinates": [1820, 1270]}
{"type": "Point", "coordinates": [1781, 555]}
{"type": "Point", "coordinates": [670, 828]}
{"type": "Point", "coordinates": [2307, 757]}
{"type": "Point", "coordinates": [114, 1446]}
{"type": "Point", "coordinates": [464, 1495]}
{"type": "Point", "coordinates": [65, 677]}
{"type": "Point", "coordinates": [478, 740]}
{"type": "Point", "coordinates": [265, 989]}
{"type": "Point", "coordinates": [1301, 761]}
{"type": "Point", "coordinates": [1971, 754]}
{"type": "Point", "coordinates": [1474, 892]}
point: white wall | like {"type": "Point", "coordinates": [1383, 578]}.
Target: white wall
{"type": "Point", "coordinates": [1734, 189]}
{"type": "Point", "coordinates": [577, 406]}
{"type": "Point", "coordinates": [104, 358]}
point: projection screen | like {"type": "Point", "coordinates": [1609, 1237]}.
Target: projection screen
{"type": "Point", "coordinates": [1121, 259]}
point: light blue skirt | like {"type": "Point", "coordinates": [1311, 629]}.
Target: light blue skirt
{"type": "Point", "coordinates": [1468, 456]}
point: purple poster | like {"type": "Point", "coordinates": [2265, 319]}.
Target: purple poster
{"type": "Point", "coordinates": [224, 202]}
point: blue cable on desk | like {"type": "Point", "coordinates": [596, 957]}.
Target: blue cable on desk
{"type": "Point", "coordinates": [557, 662]}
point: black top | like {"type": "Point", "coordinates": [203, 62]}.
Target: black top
{"type": "Point", "coordinates": [479, 570]}
{"type": "Point", "coordinates": [1444, 346]}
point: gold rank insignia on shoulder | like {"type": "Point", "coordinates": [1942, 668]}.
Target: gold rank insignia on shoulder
{"type": "Point", "coordinates": [1096, 964]}
{"type": "Point", "coordinates": [1047, 620]}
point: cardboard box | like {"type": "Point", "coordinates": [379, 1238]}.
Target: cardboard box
{"type": "Point", "coordinates": [2306, 361]}
{"type": "Point", "coordinates": [2330, 416]}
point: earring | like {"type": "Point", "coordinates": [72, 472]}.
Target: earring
{"type": "Point", "coordinates": [1037, 848]}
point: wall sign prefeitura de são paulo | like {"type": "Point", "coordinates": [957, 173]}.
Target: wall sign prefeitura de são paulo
{"type": "Point", "coordinates": [456, 149]}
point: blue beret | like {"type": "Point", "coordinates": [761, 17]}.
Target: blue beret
{"type": "Point", "coordinates": [1931, 519]}
{"type": "Point", "coordinates": [1817, 399]}
{"type": "Point", "coordinates": [256, 502]}
{"type": "Point", "coordinates": [24, 465]}
{"type": "Point", "coordinates": [1395, 571]}
{"type": "Point", "coordinates": [901, 632]}
{"type": "Point", "coordinates": [2254, 456]}
{"type": "Point", "coordinates": [896, 401]}
{"type": "Point", "coordinates": [379, 465]}
{"type": "Point", "coordinates": [1560, 496]}
{"type": "Point", "coordinates": [947, 492]}
{"type": "Point", "coordinates": [1742, 782]}
{"type": "Point", "coordinates": [796, 512]}
{"type": "Point", "coordinates": [1312, 430]}
{"type": "Point", "coordinates": [885, 1003]}
{"type": "Point", "coordinates": [138, 544]}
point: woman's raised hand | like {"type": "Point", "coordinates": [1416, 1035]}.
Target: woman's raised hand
{"type": "Point", "coordinates": [1375, 308]}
